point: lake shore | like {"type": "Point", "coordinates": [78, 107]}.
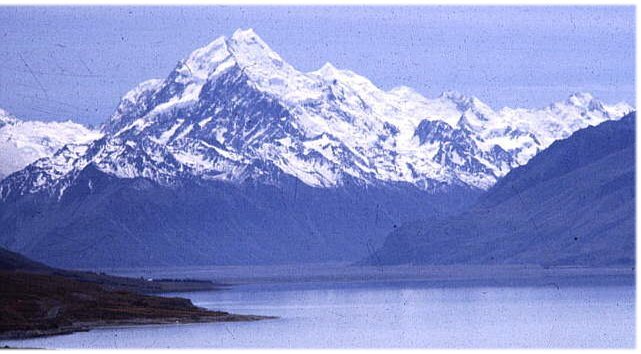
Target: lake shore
{"type": "Point", "coordinates": [36, 305]}
{"type": "Point", "coordinates": [332, 315]}
{"type": "Point", "coordinates": [87, 326]}
{"type": "Point", "coordinates": [438, 276]}
{"type": "Point", "coordinates": [179, 310]}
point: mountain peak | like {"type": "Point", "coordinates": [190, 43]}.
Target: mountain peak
{"type": "Point", "coordinates": [407, 93]}
{"type": "Point", "coordinates": [453, 95]}
{"type": "Point", "coordinates": [202, 61]}
{"type": "Point", "coordinates": [244, 47]}
{"type": "Point", "coordinates": [586, 101]}
{"type": "Point", "coordinates": [250, 49]}
{"type": "Point", "coordinates": [327, 70]}
{"type": "Point", "coordinates": [460, 98]}
{"type": "Point", "coordinates": [465, 103]}
{"type": "Point", "coordinates": [245, 35]}
{"type": "Point", "coordinates": [581, 99]}
{"type": "Point", "coordinates": [6, 117]}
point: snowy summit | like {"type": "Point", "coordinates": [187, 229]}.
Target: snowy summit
{"type": "Point", "coordinates": [235, 110]}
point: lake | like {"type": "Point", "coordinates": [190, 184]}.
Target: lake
{"type": "Point", "coordinates": [389, 314]}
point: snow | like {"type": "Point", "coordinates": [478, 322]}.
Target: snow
{"type": "Point", "coordinates": [166, 135]}
{"type": "Point", "coordinates": [338, 124]}
{"type": "Point", "coordinates": [204, 122]}
{"type": "Point", "coordinates": [143, 87]}
{"type": "Point", "coordinates": [23, 142]}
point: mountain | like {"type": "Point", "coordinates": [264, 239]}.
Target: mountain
{"type": "Point", "coordinates": [104, 221]}
{"type": "Point", "coordinates": [235, 110]}
{"type": "Point", "coordinates": [23, 142]}
{"type": "Point", "coordinates": [572, 204]}
{"type": "Point", "coordinates": [11, 261]}
{"type": "Point", "coordinates": [237, 157]}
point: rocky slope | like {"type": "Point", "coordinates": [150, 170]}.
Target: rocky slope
{"type": "Point", "coordinates": [572, 204]}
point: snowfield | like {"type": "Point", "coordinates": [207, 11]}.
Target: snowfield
{"type": "Point", "coordinates": [23, 142]}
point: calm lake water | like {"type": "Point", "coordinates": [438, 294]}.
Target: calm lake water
{"type": "Point", "coordinates": [388, 314]}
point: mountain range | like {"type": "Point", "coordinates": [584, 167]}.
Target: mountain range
{"type": "Point", "coordinates": [237, 157]}
{"type": "Point", "coordinates": [572, 204]}
{"type": "Point", "coordinates": [23, 142]}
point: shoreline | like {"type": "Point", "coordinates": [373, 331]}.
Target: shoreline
{"type": "Point", "coordinates": [37, 305]}
{"type": "Point", "coordinates": [443, 275]}
{"type": "Point", "coordinates": [424, 276]}
{"type": "Point", "coordinates": [247, 289]}
{"type": "Point", "coordinates": [88, 326]}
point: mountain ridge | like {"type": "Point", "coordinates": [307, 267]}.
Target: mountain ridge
{"type": "Point", "coordinates": [22, 142]}
{"type": "Point", "coordinates": [238, 158]}
{"type": "Point", "coordinates": [234, 109]}
{"type": "Point", "coordinates": [573, 204]}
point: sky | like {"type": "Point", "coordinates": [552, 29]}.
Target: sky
{"type": "Point", "coordinates": [75, 63]}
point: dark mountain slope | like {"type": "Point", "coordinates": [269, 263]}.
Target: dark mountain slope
{"type": "Point", "coordinates": [103, 221]}
{"type": "Point", "coordinates": [17, 263]}
{"type": "Point", "coordinates": [11, 261]}
{"type": "Point", "coordinates": [572, 204]}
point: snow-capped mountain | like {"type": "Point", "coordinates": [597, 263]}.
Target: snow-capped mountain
{"type": "Point", "coordinates": [235, 109]}
{"type": "Point", "coordinates": [238, 158]}
{"type": "Point", "coordinates": [571, 205]}
{"type": "Point", "coordinates": [23, 142]}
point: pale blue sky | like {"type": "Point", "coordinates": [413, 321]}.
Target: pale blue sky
{"type": "Point", "coordinates": [76, 62]}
